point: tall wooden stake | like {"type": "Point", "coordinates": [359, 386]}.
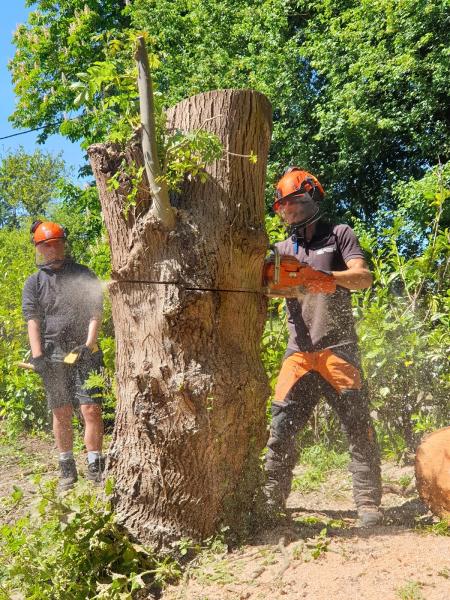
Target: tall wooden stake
{"type": "Point", "coordinates": [158, 189]}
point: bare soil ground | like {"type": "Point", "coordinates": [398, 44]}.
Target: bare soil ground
{"type": "Point", "coordinates": [299, 560]}
{"type": "Point", "coordinates": [319, 553]}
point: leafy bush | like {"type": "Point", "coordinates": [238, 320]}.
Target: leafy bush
{"type": "Point", "coordinates": [73, 548]}
{"type": "Point", "coordinates": [404, 323]}
{"type": "Point", "coordinates": [22, 400]}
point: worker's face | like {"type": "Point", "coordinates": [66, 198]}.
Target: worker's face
{"type": "Point", "coordinates": [296, 209]}
{"type": "Point", "coordinates": [50, 253]}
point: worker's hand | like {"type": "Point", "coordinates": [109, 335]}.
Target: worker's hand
{"type": "Point", "coordinates": [316, 281]}
{"type": "Point", "coordinates": [41, 365]}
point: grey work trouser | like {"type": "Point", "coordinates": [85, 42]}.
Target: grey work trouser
{"type": "Point", "coordinates": [292, 414]}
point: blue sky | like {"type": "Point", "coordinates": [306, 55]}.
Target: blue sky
{"type": "Point", "coordinates": [14, 12]}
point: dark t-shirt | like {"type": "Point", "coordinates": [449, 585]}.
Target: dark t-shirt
{"type": "Point", "coordinates": [64, 301]}
{"type": "Point", "coordinates": [320, 321]}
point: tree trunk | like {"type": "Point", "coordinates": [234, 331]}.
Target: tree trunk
{"type": "Point", "coordinates": [191, 387]}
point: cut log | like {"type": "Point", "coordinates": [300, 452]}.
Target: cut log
{"type": "Point", "coordinates": [433, 472]}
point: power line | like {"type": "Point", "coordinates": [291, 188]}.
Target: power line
{"type": "Point", "coordinates": [5, 137]}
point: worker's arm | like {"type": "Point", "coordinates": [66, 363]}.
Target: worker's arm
{"type": "Point", "coordinates": [94, 328]}
{"type": "Point", "coordinates": [356, 277]}
{"type": "Point", "coordinates": [34, 336]}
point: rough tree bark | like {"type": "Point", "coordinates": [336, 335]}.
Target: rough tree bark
{"type": "Point", "coordinates": [192, 391]}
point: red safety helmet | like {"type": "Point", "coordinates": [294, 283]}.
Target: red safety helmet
{"type": "Point", "coordinates": [296, 182]}
{"type": "Point", "coordinates": [44, 231]}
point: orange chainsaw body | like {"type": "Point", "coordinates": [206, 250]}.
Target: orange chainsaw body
{"type": "Point", "coordinates": [281, 276]}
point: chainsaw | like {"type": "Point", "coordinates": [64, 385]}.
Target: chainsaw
{"type": "Point", "coordinates": [286, 277]}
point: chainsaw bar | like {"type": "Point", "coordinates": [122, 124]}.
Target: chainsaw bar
{"type": "Point", "coordinates": [190, 288]}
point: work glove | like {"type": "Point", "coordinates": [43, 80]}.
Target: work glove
{"type": "Point", "coordinates": [41, 365]}
{"type": "Point", "coordinates": [316, 281]}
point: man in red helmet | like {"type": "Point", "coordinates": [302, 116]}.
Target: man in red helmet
{"type": "Point", "coordinates": [322, 353]}
{"type": "Point", "coordinates": [62, 304]}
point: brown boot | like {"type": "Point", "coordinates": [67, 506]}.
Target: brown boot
{"type": "Point", "coordinates": [369, 516]}
{"type": "Point", "coordinates": [67, 474]}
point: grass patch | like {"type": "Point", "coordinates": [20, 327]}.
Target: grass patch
{"type": "Point", "coordinates": [319, 461]}
{"type": "Point", "coordinates": [412, 590]}
{"type": "Point", "coordinates": [442, 527]}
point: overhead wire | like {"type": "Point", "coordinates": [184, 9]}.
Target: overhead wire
{"type": "Point", "coordinates": [6, 137]}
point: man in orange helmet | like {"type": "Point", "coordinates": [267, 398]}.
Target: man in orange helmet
{"type": "Point", "coordinates": [62, 304]}
{"type": "Point", "coordinates": [322, 353]}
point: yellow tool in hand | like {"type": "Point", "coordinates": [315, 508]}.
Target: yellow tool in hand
{"type": "Point", "coordinates": [76, 353]}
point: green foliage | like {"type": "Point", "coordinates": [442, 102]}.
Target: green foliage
{"type": "Point", "coordinates": [189, 153]}
{"type": "Point", "coordinates": [359, 89]}
{"type": "Point", "coordinates": [404, 322]}
{"type": "Point", "coordinates": [381, 74]}
{"type": "Point", "coordinates": [28, 183]}
{"type": "Point", "coordinates": [320, 461]}
{"type": "Point", "coordinates": [108, 90]}
{"type": "Point", "coordinates": [313, 548]}
{"type": "Point", "coordinates": [22, 400]}
{"type": "Point", "coordinates": [412, 590]}
{"type": "Point", "coordinates": [72, 547]}
{"type": "Point", "coordinates": [440, 528]}
{"type": "Point", "coordinates": [134, 175]}
{"type": "Point", "coordinates": [59, 41]}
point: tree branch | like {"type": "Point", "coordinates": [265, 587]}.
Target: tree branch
{"type": "Point", "coordinates": [161, 204]}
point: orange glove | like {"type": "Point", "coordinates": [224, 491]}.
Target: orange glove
{"type": "Point", "coordinates": [317, 282]}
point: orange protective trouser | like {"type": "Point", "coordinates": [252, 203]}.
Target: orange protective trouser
{"type": "Point", "coordinates": [335, 370]}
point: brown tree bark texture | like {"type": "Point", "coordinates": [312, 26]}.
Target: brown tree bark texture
{"type": "Point", "coordinates": [192, 391]}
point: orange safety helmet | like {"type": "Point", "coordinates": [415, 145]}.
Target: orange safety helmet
{"type": "Point", "coordinates": [296, 182]}
{"type": "Point", "coordinates": [44, 231]}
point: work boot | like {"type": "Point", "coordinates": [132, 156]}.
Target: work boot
{"type": "Point", "coordinates": [274, 502]}
{"type": "Point", "coordinates": [67, 474]}
{"type": "Point", "coordinates": [95, 470]}
{"type": "Point", "coordinates": [369, 516]}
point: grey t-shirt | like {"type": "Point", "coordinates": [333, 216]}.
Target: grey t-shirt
{"type": "Point", "coordinates": [322, 321]}
{"type": "Point", "coordinates": [64, 301]}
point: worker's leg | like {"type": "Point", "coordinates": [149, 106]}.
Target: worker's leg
{"type": "Point", "coordinates": [289, 416]}
{"type": "Point", "coordinates": [90, 401]}
{"type": "Point", "coordinates": [352, 408]}
{"type": "Point", "coordinates": [58, 385]}
{"type": "Point", "coordinates": [93, 432]}
{"type": "Point", "coordinates": [62, 427]}
{"type": "Point", "coordinates": [346, 393]}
